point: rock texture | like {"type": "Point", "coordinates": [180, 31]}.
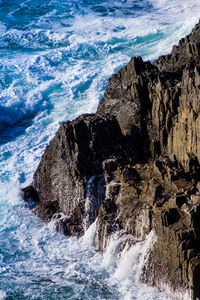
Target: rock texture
{"type": "Point", "coordinates": [144, 141]}
{"type": "Point", "coordinates": [158, 195]}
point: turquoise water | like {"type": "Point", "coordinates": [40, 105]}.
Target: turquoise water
{"type": "Point", "coordinates": [55, 60]}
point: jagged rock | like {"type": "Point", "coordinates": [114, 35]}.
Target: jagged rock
{"type": "Point", "coordinates": [145, 141]}
{"type": "Point", "coordinates": [172, 211]}
{"type": "Point", "coordinates": [30, 192]}
{"type": "Point", "coordinates": [73, 156]}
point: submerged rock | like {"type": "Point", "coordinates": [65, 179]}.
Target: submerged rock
{"type": "Point", "coordinates": [144, 144]}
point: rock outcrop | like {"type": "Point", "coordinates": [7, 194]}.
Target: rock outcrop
{"type": "Point", "coordinates": [139, 157]}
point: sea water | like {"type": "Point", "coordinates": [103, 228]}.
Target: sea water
{"type": "Point", "coordinates": [56, 57]}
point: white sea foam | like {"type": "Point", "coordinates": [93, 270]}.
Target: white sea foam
{"type": "Point", "coordinates": [2, 294]}
{"type": "Point", "coordinates": [125, 258]}
{"type": "Point", "coordinates": [132, 260]}
{"type": "Point", "coordinates": [89, 237]}
{"type": "Point", "coordinates": [177, 19]}
{"type": "Point", "coordinates": [113, 250]}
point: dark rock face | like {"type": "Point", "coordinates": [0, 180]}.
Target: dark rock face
{"type": "Point", "coordinates": [72, 158]}
{"type": "Point", "coordinates": [144, 143]}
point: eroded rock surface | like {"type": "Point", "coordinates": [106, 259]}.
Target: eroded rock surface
{"type": "Point", "coordinates": [144, 141]}
{"type": "Point", "coordinates": [158, 195]}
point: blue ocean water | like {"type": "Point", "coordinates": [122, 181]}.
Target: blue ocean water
{"type": "Point", "coordinates": [55, 60]}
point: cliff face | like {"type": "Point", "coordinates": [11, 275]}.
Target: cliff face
{"type": "Point", "coordinates": [157, 195]}
{"type": "Point", "coordinates": [161, 100]}
{"type": "Point", "coordinates": [135, 165]}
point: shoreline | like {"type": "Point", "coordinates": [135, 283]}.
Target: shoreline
{"type": "Point", "coordinates": [144, 141]}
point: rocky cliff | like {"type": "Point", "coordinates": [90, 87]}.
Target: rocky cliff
{"type": "Point", "coordinates": [134, 165]}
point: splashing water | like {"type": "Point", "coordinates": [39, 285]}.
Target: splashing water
{"type": "Point", "coordinates": [94, 197]}
{"type": "Point", "coordinates": [126, 257]}
{"type": "Point", "coordinates": [55, 60]}
{"type": "Point", "coordinates": [89, 236]}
